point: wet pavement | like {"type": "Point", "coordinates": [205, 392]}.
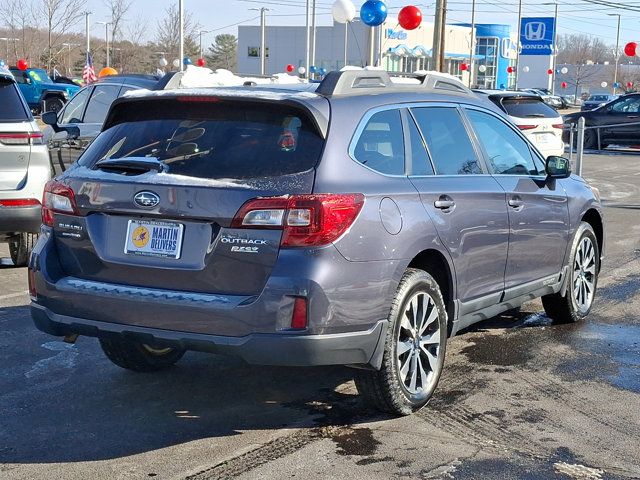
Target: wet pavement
{"type": "Point", "coordinates": [520, 397]}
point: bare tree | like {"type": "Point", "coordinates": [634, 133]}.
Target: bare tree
{"type": "Point", "coordinates": [21, 23]}
{"type": "Point", "coordinates": [119, 10]}
{"type": "Point", "coordinates": [60, 16]}
{"type": "Point", "coordinates": [168, 33]}
{"type": "Point", "coordinates": [584, 53]}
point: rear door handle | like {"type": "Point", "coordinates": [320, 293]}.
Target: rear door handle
{"type": "Point", "coordinates": [444, 204]}
{"type": "Point", "coordinates": [516, 202]}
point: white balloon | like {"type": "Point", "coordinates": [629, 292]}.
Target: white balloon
{"type": "Point", "coordinates": [163, 62]}
{"type": "Point", "coordinates": [564, 70]}
{"type": "Point", "coordinates": [525, 69]}
{"type": "Point", "coordinates": [482, 68]}
{"type": "Point", "coordinates": [302, 70]}
{"type": "Point", "coordinates": [176, 63]}
{"type": "Point", "coordinates": [343, 11]}
{"type": "Point", "coordinates": [604, 84]}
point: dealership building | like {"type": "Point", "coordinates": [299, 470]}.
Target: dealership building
{"type": "Point", "coordinates": [395, 49]}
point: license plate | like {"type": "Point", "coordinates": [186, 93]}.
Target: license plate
{"type": "Point", "coordinates": [154, 239]}
{"type": "Point", "coordinates": [544, 137]}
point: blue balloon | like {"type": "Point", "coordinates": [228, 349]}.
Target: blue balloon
{"type": "Point", "coordinates": [373, 13]}
{"type": "Point", "coordinates": [312, 69]}
{"type": "Point", "coordinates": [322, 71]}
{"type": "Point", "coordinates": [617, 85]}
{"type": "Point", "coordinates": [502, 86]}
{"type": "Point", "coordinates": [2, 64]}
{"type": "Point", "coordinates": [187, 61]}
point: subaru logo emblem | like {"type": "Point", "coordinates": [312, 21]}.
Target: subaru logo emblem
{"type": "Point", "coordinates": [146, 199]}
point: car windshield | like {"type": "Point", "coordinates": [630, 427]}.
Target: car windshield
{"type": "Point", "coordinates": [39, 75]}
{"type": "Point", "coordinates": [523, 107]}
{"type": "Point", "coordinates": [213, 140]}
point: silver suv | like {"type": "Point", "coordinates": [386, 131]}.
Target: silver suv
{"type": "Point", "coordinates": [25, 168]}
{"type": "Point", "coordinates": [358, 223]}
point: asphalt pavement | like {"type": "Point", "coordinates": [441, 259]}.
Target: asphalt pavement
{"type": "Point", "coordinates": [520, 397]}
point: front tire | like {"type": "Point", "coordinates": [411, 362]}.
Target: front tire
{"type": "Point", "coordinates": [53, 104]}
{"type": "Point", "coordinates": [20, 248]}
{"type": "Point", "coordinates": [584, 266]}
{"type": "Point", "coordinates": [139, 357]}
{"type": "Point", "coordinates": [414, 348]}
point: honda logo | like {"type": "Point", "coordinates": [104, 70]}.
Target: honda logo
{"type": "Point", "coordinates": [535, 31]}
{"type": "Point", "coordinates": [146, 199]}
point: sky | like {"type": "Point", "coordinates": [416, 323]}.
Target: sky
{"type": "Point", "coordinates": [223, 16]}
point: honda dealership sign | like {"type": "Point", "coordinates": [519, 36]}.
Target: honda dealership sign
{"type": "Point", "coordinates": [536, 35]}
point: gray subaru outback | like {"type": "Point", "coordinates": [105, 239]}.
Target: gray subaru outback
{"type": "Point", "coordinates": [361, 221]}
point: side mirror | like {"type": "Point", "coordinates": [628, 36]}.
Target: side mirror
{"type": "Point", "coordinates": [27, 80]}
{"type": "Point", "coordinates": [50, 118]}
{"type": "Point", "coordinates": [557, 167]}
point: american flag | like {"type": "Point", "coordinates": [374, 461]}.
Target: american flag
{"type": "Point", "coordinates": [88, 73]}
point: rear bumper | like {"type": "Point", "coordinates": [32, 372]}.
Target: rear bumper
{"type": "Point", "coordinates": [19, 220]}
{"type": "Point", "coordinates": [358, 348]}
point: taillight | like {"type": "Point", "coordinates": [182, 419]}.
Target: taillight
{"type": "Point", "coordinates": [299, 316]}
{"type": "Point", "coordinates": [57, 198]}
{"type": "Point", "coordinates": [20, 202]}
{"type": "Point", "coordinates": [527, 127]}
{"type": "Point", "coordinates": [26, 138]}
{"type": "Point", "coordinates": [559, 126]}
{"type": "Point", "coordinates": [306, 220]}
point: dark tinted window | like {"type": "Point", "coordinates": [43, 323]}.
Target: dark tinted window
{"type": "Point", "coordinates": [508, 153]}
{"type": "Point", "coordinates": [420, 163]}
{"type": "Point", "coordinates": [74, 110]}
{"type": "Point", "coordinates": [11, 106]}
{"type": "Point", "coordinates": [19, 75]}
{"type": "Point", "coordinates": [447, 140]}
{"type": "Point", "coordinates": [220, 139]}
{"type": "Point", "coordinates": [101, 99]}
{"type": "Point", "coordinates": [598, 98]}
{"type": "Point", "coordinates": [528, 108]}
{"type": "Point", "coordinates": [381, 144]}
{"type": "Point", "coordinates": [627, 105]}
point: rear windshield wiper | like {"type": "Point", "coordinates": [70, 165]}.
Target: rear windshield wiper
{"type": "Point", "coordinates": [535, 115]}
{"type": "Point", "coordinates": [130, 165]}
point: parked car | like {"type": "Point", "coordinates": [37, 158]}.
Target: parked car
{"type": "Point", "coordinates": [554, 101]}
{"type": "Point", "coordinates": [541, 124]}
{"type": "Point", "coordinates": [618, 122]}
{"type": "Point", "coordinates": [74, 127]}
{"type": "Point", "coordinates": [359, 225]}
{"type": "Point", "coordinates": [24, 171]}
{"type": "Point", "coordinates": [41, 93]}
{"type": "Point", "coordinates": [595, 101]}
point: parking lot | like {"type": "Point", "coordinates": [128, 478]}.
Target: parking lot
{"type": "Point", "coordinates": [519, 397]}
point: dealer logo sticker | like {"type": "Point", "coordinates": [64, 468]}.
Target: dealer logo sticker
{"type": "Point", "coordinates": [140, 236]}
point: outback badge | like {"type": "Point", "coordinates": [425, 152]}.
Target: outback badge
{"type": "Point", "coordinates": [146, 199]}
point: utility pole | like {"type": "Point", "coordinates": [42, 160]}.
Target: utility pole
{"type": "Point", "coordinates": [616, 54]}
{"type": "Point", "coordinates": [472, 43]}
{"type": "Point", "coordinates": [555, 47]}
{"type": "Point", "coordinates": [518, 45]}
{"type": "Point", "coordinates": [88, 33]}
{"type": "Point", "coordinates": [181, 15]}
{"type": "Point", "coordinates": [438, 35]}
{"type": "Point", "coordinates": [313, 31]}
{"type": "Point", "coordinates": [106, 39]}
{"type": "Point", "coordinates": [69, 45]}
{"type": "Point", "coordinates": [200, 32]}
{"type": "Point", "coordinates": [308, 38]}
{"type": "Point", "coordinates": [263, 47]}
{"type": "Point", "coordinates": [7, 40]}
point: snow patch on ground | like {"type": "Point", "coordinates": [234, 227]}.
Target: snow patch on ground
{"type": "Point", "coordinates": [579, 472]}
{"type": "Point", "coordinates": [66, 358]}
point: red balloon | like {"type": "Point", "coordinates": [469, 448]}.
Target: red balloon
{"type": "Point", "coordinates": [201, 62]}
{"type": "Point", "coordinates": [22, 64]}
{"type": "Point", "coordinates": [563, 84]}
{"type": "Point", "coordinates": [410, 17]}
{"type": "Point", "coordinates": [549, 72]}
{"type": "Point", "coordinates": [464, 67]}
{"type": "Point", "coordinates": [290, 68]}
{"type": "Point", "coordinates": [630, 49]}
{"type": "Point", "coordinates": [629, 84]}
{"type": "Point", "coordinates": [510, 69]}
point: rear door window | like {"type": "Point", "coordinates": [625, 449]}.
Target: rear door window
{"type": "Point", "coordinates": [528, 108]}
{"type": "Point", "coordinates": [101, 99]}
{"type": "Point", "coordinates": [212, 139]}
{"type": "Point", "coordinates": [74, 110]}
{"type": "Point", "coordinates": [11, 106]}
{"type": "Point", "coordinates": [380, 145]}
{"type": "Point", "coordinates": [449, 145]}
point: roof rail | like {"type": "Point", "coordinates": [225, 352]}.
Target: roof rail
{"type": "Point", "coordinates": [364, 81]}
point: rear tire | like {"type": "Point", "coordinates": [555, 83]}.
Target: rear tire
{"type": "Point", "coordinates": [20, 248]}
{"type": "Point", "coordinates": [590, 140]}
{"type": "Point", "coordinates": [53, 104]}
{"type": "Point", "coordinates": [414, 349]}
{"type": "Point", "coordinates": [584, 266]}
{"type": "Point", "coordinates": [138, 356]}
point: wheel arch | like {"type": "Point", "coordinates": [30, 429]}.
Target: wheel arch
{"type": "Point", "coordinates": [437, 265]}
{"type": "Point", "coordinates": [593, 218]}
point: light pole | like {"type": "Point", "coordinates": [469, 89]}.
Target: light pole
{"type": "Point", "coordinates": [518, 45]}
{"type": "Point", "coordinates": [106, 38]}
{"type": "Point", "coordinates": [263, 48]}
{"type": "Point", "coordinates": [472, 43]}
{"type": "Point", "coordinates": [555, 47]}
{"type": "Point", "coordinates": [88, 33]}
{"type": "Point", "coordinates": [69, 45]}
{"type": "Point", "coordinates": [181, 21]}
{"type": "Point", "coordinates": [616, 54]}
{"type": "Point", "coordinates": [438, 35]}
{"type": "Point", "coordinates": [200, 32]}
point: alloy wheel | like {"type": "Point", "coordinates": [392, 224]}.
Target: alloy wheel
{"type": "Point", "coordinates": [584, 274]}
